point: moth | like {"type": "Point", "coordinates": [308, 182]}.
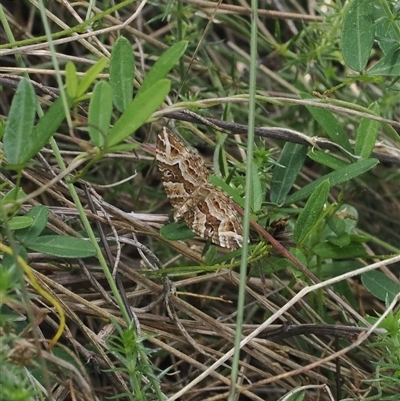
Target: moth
{"type": "Point", "coordinates": [205, 208]}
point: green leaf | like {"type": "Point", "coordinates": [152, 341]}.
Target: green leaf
{"type": "Point", "coordinates": [326, 159]}
{"type": "Point", "coordinates": [220, 162]}
{"type": "Point", "coordinates": [140, 109]}
{"type": "Point", "coordinates": [380, 285]}
{"type": "Point", "coordinates": [39, 215]}
{"type": "Point", "coordinates": [329, 123]}
{"type": "Point", "coordinates": [163, 65]}
{"type": "Point", "coordinates": [176, 231]}
{"type": "Point", "coordinates": [337, 177]}
{"type": "Point", "coordinates": [125, 147]}
{"type": "Point", "coordinates": [19, 124]}
{"type": "Point", "coordinates": [386, 28]}
{"type": "Point", "coordinates": [257, 195]}
{"type": "Point", "coordinates": [338, 267]}
{"type": "Point", "coordinates": [71, 80]}
{"type": "Point", "coordinates": [90, 76]}
{"type": "Point", "coordinates": [100, 110]}
{"type": "Point", "coordinates": [122, 73]}
{"type": "Point", "coordinates": [388, 65]}
{"type": "Point", "coordinates": [343, 239]}
{"type": "Point", "coordinates": [284, 174]}
{"type": "Point", "coordinates": [344, 220]}
{"type": "Point", "coordinates": [366, 134]}
{"type": "Point", "coordinates": [62, 246]}
{"type": "Point", "coordinates": [327, 250]}
{"type": "Point", "coordinates": [19, 222]}
{"type": "Point", "coordinates": [358, 34]}
{"type": "Point", "coordinates": [44, 129]}
{"type": "Point", "coordinates": [14, 194]}
{"type": "Point", "coordinates": [312, 212]}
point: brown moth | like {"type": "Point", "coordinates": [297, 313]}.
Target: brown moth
{"type": "Point", "coordinates": [205, 208]}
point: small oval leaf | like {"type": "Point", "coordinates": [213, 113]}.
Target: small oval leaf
{"type": "Point", "coordinates": [380, 285]}
{"type": "Point", "coordinates": [39, 215]}
{"type": "Point", "coordinates": [19, 222]}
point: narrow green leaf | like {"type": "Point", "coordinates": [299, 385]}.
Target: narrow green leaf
{"type": "Point", "coordinates": [312, 211]}
{"type": "Point", "coordinates": [39, 215]}
{"type": "Point", "coordinates": [327, 250]}
{"type": "Point", "coordinates": [62, 246]}
{"type": "Point", "coordinates": [380, 285]}
{"type": "Point", "coordinates": [90, 76]}
{"type": "Point", "coordinates": [2, 125]}
{"type": "Point", "coordinates": [176, 231]}
{"type": "Point", "coordinates": [358, 34]}
{"type": "Point", "coordinates": [19, 124]}
{"type": "Point", "coordinates": [220, 162]}
{"type": "Point", "coordinates": [326, 159]}
{"type": "Point", "coordinates": [329, 123]}
{"type": "Point", "coordinates": [126, 147]}
{"type": "Point", "coordinates": [337, 177]}
{"type": "Point", "coordinates": [257, 197]}
{"type": "Point", "coordinates": [71, 80]}
{"type": "Point", "coordinates": [366, 134]}
{"type": "Point", "coordinates": [163, 65]}
{"type": "Point", "coordinates": [291, 159]}
{"type": "Point", "coordinates": [140, 109]}
{"type": "Point", "coordinates": [100, 110]}
{"type": "Point", "coordinates": [45, 128]}
{"type": "Point", "coordinates": [122, 73]}
{"type": "Point", "coordinates": [388, 65]}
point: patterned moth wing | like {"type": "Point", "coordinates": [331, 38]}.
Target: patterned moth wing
{"type": "Point", "coordinates": [205, 208]}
